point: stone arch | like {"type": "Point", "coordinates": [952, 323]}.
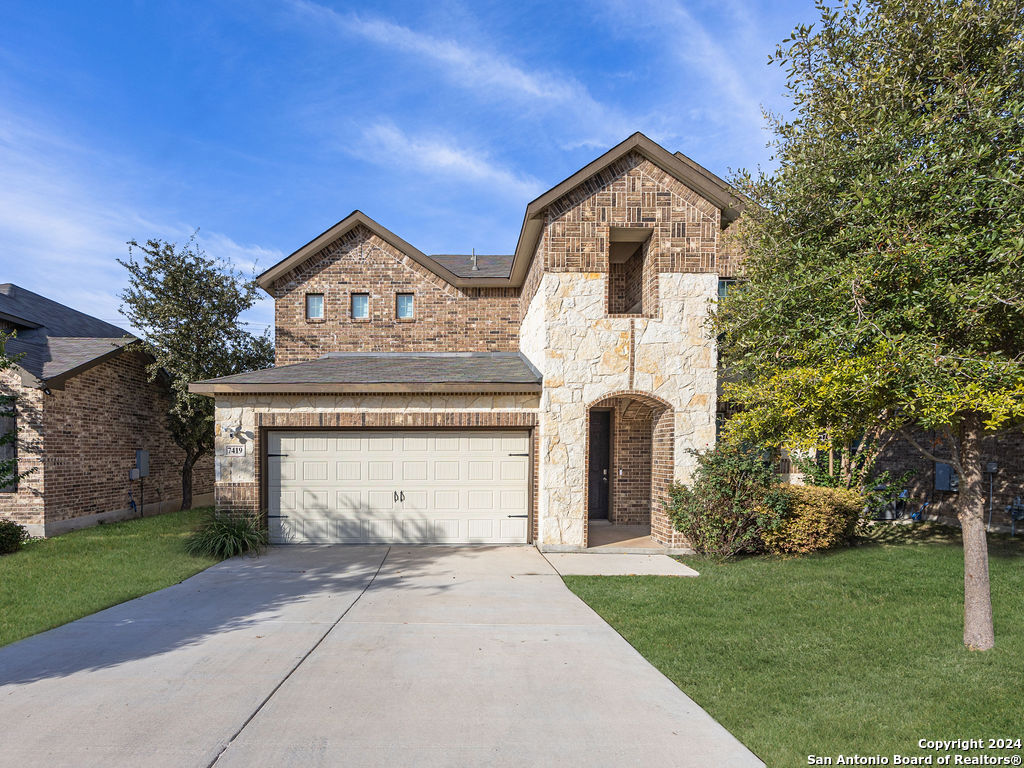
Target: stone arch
{"type": "Point", "coordinates": [642, 460]}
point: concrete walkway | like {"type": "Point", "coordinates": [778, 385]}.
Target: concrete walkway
{"type": "Point", "coordinates": [355, 656]}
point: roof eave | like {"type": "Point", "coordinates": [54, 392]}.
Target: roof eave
{"type": "Point", "coordinates": [212, 389]}
{"type": "Point", "coordinates": [267, 279]}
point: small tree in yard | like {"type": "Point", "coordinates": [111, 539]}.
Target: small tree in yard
{"type": "Point", "coordinates": [884, 257]}
{"type": "Point", "coordinates": [186, 306]}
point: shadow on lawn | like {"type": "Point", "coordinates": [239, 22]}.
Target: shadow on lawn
{"type": "Point", "coordinates": [298, 585]}
{"type": "Point", "coordinates": [900, 533]}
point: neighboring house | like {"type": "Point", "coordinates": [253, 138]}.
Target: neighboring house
{"type": "Point", "coordinates": [84, 406]}
{"type": "Point", "coordinates": [511, 398]}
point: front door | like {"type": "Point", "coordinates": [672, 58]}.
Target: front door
{"type": "Point", "coordinates": [600, 464]}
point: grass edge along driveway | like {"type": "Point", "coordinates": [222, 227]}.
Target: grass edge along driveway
{"type": "Point", "coordinates": [53, 581]}
{"type": "Point", "coordinates": [854, 651]}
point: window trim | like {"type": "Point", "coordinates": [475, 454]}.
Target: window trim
{"type": "Point", "coordinates": [323, 307]}
{"type": "Point", "coordinates": [352, 310]}
{"type": "Point", "coordinates": [412, 298]}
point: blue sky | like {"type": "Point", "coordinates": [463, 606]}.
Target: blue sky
{"type": "Point", "coordinates": [265, 123]}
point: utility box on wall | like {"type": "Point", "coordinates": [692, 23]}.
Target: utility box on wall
{"type": "Point", "coordinates": [142, 463]}
{"type": "Point", "coordinates": [946, 478]}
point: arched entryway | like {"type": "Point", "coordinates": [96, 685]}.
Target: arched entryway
{"type": "Point", "coordinates": [630, 464]}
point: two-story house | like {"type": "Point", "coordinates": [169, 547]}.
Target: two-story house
{"type": "Point", "coordinates": [493, 399]}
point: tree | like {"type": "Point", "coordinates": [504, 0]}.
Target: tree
{"type": "Point", "coordinates": [9, 474]}
{"type": "Point", "coordinates": [883, 257]}
{"type": "Point", "coordinates": [186, 306]}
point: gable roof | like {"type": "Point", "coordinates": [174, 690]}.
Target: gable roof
{"type": "Point", "coordinates": [510, 271]}
{"type": "Point", "coordinates": [56, 341]}
{"type": "Point", "coordinates": [387, 372]}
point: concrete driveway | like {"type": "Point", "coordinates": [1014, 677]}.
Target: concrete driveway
{"type": "Point", "coordinates": [355, 656]}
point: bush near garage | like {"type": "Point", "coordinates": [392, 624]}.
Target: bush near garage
{"type": "Point", "coordinates": [227, 535]}
{"type": "Point", "coordinates": [12, 536]}
{"type": "Point", "coordinates": [814, 518]}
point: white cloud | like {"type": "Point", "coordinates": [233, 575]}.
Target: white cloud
{"type": "Point", "coordinates": [489, 74]}
{"type": "Point", "coordinates": [385, 143]}
{"type": "Point", "coordinates": [65, 219]}
{"type": "Point", "coordinates": [723, 70]}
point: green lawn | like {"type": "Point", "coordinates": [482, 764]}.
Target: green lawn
{"type": "Point", "coordinates": [53, 581]}
{"type": "Point", "coordinates": [854, 651]}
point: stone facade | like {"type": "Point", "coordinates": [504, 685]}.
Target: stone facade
{"type": "Point", "coordinates": [446, 318]}
{"type": "Point", "coordinates": [80, 442]}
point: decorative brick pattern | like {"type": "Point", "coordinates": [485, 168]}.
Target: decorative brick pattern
{"type": "Point", "coordinates": [632, 192]}
{"type": "Point", "coordinates": [447, 319]}
{"type": "Point", "coordinates": [82, 440]}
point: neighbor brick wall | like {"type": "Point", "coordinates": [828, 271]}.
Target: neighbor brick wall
{"type": "Point", "coordinates": [1008, 483]}
{"type": "Point", "coordinates": [446, 318]}
{"type": "Point", "coordinates": [91, 430]}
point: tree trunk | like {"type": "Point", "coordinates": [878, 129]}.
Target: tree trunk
{"type": "Point", "coordinates": [978, 632]}
{"type": "Point", "coordinates": [186, 481]}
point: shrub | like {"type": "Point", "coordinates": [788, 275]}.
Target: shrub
{"type": "Point", "coordinates": [12, 536]}
{"type": "Point", "coordinates": [226, 535]}
{"type": "Point", "coordinates": [733, 500]}
{"type": "Point", "coordinates": [814, 518]}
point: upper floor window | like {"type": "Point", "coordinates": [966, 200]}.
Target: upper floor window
{"type": "Point", "coordinates": [360, 306]}
{"type": "Point", "coordinates": [404, 306]}
{"type": "Point", "coordinates": [632, 278]}
{"type": "Point", "coordinates": [314, 306]}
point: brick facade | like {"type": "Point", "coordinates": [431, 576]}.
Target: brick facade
{"type": "Point", "coordinates": [447, 319]}
{"type": "Point", "coordinates": [82, 440]}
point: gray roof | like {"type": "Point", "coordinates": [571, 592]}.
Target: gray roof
{"type": "Point", "coordinates": [388, 371]}
{"type": "Point", "coordinates": [461, 264]}
{"type": "Point", "coordinates": [55, 340]}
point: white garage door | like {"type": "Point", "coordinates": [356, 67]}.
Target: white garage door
{"type": "Point", "coordinates": [404, 487]}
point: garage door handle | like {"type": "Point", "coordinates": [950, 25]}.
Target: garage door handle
{"type": "Point", "coordinates": [519, 454]}
{"type": "Point", "coordinates": [402, 494]}
{"type": "Point", "coordinates": [515, 515]}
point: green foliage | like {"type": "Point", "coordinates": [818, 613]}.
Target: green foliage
{"type": "Point", "coordinates": [9, 475]}
{"type": "Point", "coordinates": [814, 519]}
{"type": "Point", "coordinates": [12, 536]}
{"type": "Point", "coordinates": [733, 500]}
{"type": "Point", "coordinates": [187, 306]}
{"type": "Point", "coordinates": [226, 535]}
{"type": "Point", "coordinates": [883, 256]}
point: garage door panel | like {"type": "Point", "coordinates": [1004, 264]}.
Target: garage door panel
{"type": "Point", "coordinates": [446, 470]}
{"type": "Point", "coordinates": [513, 529]}
{"type": "Point", "coordinates": [447, 444]}
{"type": "Point", "coordinates": [380, 502]}
{"type": "Point", "coordinates": [348, 501]}
{"type": "Point", "coordinates": [414, 470]}
{"type": "Point", "coordinates": [480, 470]}
{"type": "Point", "coordinates": [348, 470]}
{"type": "Point", "coordinates": [398, 486]}
{"type": "Point", "coordinates": [350, 531]}
{"type": "Point", "coordinates": [416, 501]}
